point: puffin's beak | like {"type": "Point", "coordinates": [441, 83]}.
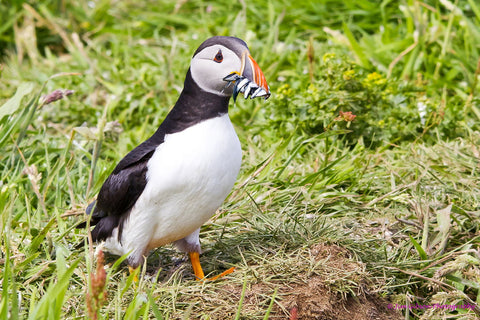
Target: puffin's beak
{"type": "Point", "coordinates": [250, 80]}
{"type": "Point", "coordinates": [257, 77]}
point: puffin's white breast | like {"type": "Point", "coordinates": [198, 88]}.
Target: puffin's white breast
{"type": "Point", "coordinates": [189, 176]}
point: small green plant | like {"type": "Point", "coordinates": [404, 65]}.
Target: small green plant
{"type": "Point", "coordinates": [388, 111]}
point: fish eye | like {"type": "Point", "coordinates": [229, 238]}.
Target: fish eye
{"type": "Point", "coordinates": [218, 57]}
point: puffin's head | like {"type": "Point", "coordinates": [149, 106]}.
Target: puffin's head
{"type": "Point", "coordinates": [221, 61]}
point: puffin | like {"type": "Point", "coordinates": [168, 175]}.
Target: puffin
{"type": "Point", "coordinates": [167, 187]}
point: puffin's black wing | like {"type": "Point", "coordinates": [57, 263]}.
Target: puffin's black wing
{"type": "Point", "coordinates": [121, 190]}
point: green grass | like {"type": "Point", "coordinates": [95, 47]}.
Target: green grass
{"type": "Point", "coordinates": [397, 188]}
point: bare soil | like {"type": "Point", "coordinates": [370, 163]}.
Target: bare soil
{"type": "Point", "coordinates": [313, 298]}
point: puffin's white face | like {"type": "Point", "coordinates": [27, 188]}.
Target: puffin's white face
{"type": "Point", "coordinates": [211, 65]}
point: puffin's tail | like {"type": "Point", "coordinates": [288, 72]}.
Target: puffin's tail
{"type": "Point", "coordinates": [88, 211]}
{"type": "Point", "coordinates": [90, 207]}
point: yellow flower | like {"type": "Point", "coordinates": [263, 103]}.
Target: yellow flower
{"type": "Point", "coordinates": [85, 25]}
{"type": "Point", "coordinates": [312, 91]}
{"type": "Point", "coordinates": [284, 91]}
{"type": "Point", "coordinates": [312, 88]}
{"type": "Point", "coordinates": [328, 56]}
{"type": "Point", "coordinates": [375, 78]}
{"type": "Point", "coordinates": [348, 75]}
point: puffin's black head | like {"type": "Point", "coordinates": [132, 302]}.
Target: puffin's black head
{"type": "Point", "coordinates": [221, 61]}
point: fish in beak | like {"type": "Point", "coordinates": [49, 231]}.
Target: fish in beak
{"type": "Point", "coordinates": [250, 80]}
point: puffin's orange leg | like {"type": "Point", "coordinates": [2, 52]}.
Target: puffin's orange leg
{"type": "Point", "coordinates": [197, 268]}
{"type": "Point", "coordinates": [134, 271]}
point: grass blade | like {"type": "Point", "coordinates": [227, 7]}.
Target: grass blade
{"type": "Point", "coordinates": [356, 47]}
{"type": "Point", "coordinates": [13, 104]}
{"type": "Point", "coordinates": [240, 303]}
{"type": "Point", "coordinates": [419, 248]}
{"type": "Point", "coordinates": [271, 304]}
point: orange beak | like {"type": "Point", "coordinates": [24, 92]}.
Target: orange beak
{"type": "Point", "coordinates": [258, 76]}
{"type": "Point", "coordinates": [250, 80]}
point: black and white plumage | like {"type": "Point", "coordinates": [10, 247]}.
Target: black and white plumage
{"type": "Point", "coordinates": [165, 189]}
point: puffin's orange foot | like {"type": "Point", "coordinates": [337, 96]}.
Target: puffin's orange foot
{"type": "Point", "coordinates": [134, 271]}
{"type": "Point", "coordinates": [197, 268]}
{"type": "Point", "coordinates": [224, 273]}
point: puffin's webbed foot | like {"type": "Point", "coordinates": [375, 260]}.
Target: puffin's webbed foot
{"type": "Point", "coordinates": [134, 271]}
{"type": "Point", "coordinates": [197, 268]}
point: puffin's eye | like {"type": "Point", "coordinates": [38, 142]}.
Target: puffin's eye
{"type": "Point", "coordinates": [218, 57]}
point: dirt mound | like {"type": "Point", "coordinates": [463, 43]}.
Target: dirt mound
{"type": "Point", "coordinates": [314, 300]}
{"type": "Point", "coordinates": [322, 295]}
